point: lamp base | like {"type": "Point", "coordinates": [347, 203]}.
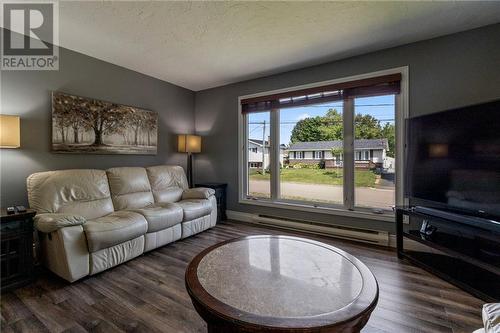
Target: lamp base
{"type": "Point", "coordinates": [190, 170]}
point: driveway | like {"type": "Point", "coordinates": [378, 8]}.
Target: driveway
{"type": "Point", "coordinates": [364, 196]}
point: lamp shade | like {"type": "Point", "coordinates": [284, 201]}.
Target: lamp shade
{"type": "Point", "coordinates": [10, 131]}
{"type": "Point", "coordinates": [189, 143]}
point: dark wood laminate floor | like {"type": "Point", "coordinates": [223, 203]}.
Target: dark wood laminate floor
{"type": "Point", "coordinates": [148, 294]}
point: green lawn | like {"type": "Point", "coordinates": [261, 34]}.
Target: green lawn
{"type": "Point", "coordinates": [363, 178]}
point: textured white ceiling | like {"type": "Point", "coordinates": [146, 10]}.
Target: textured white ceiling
{"type": "Point", "coordinates": [199, 45]}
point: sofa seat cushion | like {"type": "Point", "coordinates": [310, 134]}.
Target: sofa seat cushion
{"type": "Point", "coordinates": [113, 229]}
{"type": "Point", "coordinates": [161, 216]}
{"type": "Point", "coordinates": [195, 208]}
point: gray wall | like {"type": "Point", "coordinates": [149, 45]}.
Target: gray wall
{"type": "Point", "coordinates": [28, 94]}
{"type": "Point", "coordinates": [446, 72]}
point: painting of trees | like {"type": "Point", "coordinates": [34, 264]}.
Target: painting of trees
{"type": "Point", "coordinates": [85, 125]}
{"type": "Point", "coordinates": [150, 125]}
{"type": "Point", "coordinates": [68, 116]}
{"type": "Point", "coordinates": [102, 117]}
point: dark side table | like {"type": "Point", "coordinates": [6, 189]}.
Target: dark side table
{"type": "Point", "coordinates": [220, 195]}
{"type": "Point", "coordinates": [17, 249]}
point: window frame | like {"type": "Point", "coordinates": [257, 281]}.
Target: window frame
{"type": "Point", "coordinates": [348, 208]}
{"type": "Point", "coordinates": [318, 154]}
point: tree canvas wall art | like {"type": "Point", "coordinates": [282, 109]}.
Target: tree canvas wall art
{"type": "Point", "coordinates": [86, 125]}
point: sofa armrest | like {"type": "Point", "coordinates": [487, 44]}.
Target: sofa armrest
{"type": "Point", "coordinates": [52, 221]}
{"type": "Point", "coordinates": [198, 193]}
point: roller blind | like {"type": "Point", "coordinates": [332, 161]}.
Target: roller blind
{"type": "Point", "coordinates": [375, 86]}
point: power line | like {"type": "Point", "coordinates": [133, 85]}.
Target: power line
{"type": "Point", "coordinates": [383, 104]}
{"type": "Point", "coordinates": [256, 128]}
{"type": "Point", "coordinates": [331, 122]}
{"type": "Point", "coordinates": [323, 122]}
{"type": "Point", "coordinates": [341, 106]}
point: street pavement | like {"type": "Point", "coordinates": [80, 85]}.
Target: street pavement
{"type": "Point", "coordinates": [364, 196]}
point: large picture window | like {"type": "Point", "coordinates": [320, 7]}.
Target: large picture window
{"type": "Point", "coordinates": [334, 145]}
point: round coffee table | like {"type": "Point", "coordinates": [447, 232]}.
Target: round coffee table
{"type": "Point", "coordinates": [280, 284]}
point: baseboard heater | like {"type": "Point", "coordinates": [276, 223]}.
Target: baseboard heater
{"type": "Point", "coordinates": [355, 234]}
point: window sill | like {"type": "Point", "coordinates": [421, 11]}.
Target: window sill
{"type": "Point", "coordinates": [386, 217]}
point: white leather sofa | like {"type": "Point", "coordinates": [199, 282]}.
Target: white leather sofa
{"type": "Point", "coordinates": [491, 318]}
{"type": "Point", "coordinates": [91, 220]}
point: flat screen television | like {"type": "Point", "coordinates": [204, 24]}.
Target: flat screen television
{"type": "Point", "coordinates": [453, 160]}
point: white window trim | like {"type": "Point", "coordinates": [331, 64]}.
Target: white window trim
{"type": "Point", "coordinates": [401, 105]}
{"type": "Point", "coordinates": [318, 154]}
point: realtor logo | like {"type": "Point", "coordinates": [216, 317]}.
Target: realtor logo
{"type": "Point", "coordinates": [30, 36]}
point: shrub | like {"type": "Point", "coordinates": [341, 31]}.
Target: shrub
{"type": "Point", "coordinates": [306, 166]}
{"type": "Point", "coordinates": [322, 164]}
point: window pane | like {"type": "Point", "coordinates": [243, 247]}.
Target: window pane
{"type": "Point", "coordinates": [259, 180]}
{"type": "Point", "coordinates": [374, 152]}
{"type": "Point", "coordinates": [311, 142]}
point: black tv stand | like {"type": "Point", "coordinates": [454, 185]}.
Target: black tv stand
{"type": "Point", "coordinates": [462, 253]}
{"type": "Point", "coordinates": [473, 221]}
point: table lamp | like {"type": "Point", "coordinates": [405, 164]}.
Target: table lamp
{"type": "Point", "coordinates": [10, 131]}
{"type": "Point", "coordinates": [189, 144]}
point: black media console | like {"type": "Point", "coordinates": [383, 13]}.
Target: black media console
{"type": "Point", "coordinates": [457, 248]}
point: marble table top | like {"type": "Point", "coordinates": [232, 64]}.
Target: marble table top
{"type": "Point", "coordinates": [281, 277]}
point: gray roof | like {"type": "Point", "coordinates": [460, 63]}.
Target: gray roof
{"type": "Point", "coordinates": [327, 145]}
{"type": "Point", "coordinates": [259, 142]}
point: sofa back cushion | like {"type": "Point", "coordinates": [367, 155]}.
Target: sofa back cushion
{"type": "Point", "coordinates": [167, 182]}
{"type": "Point", "coordinates": [130, 188]}
{"type": "Point", "coordinates": [81, 192]}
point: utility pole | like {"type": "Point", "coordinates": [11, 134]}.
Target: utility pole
{"type": "Point", "coordinates": [264, 148]}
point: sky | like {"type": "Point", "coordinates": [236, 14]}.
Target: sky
{"type": "Point", "coordinates": [380, 107]}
